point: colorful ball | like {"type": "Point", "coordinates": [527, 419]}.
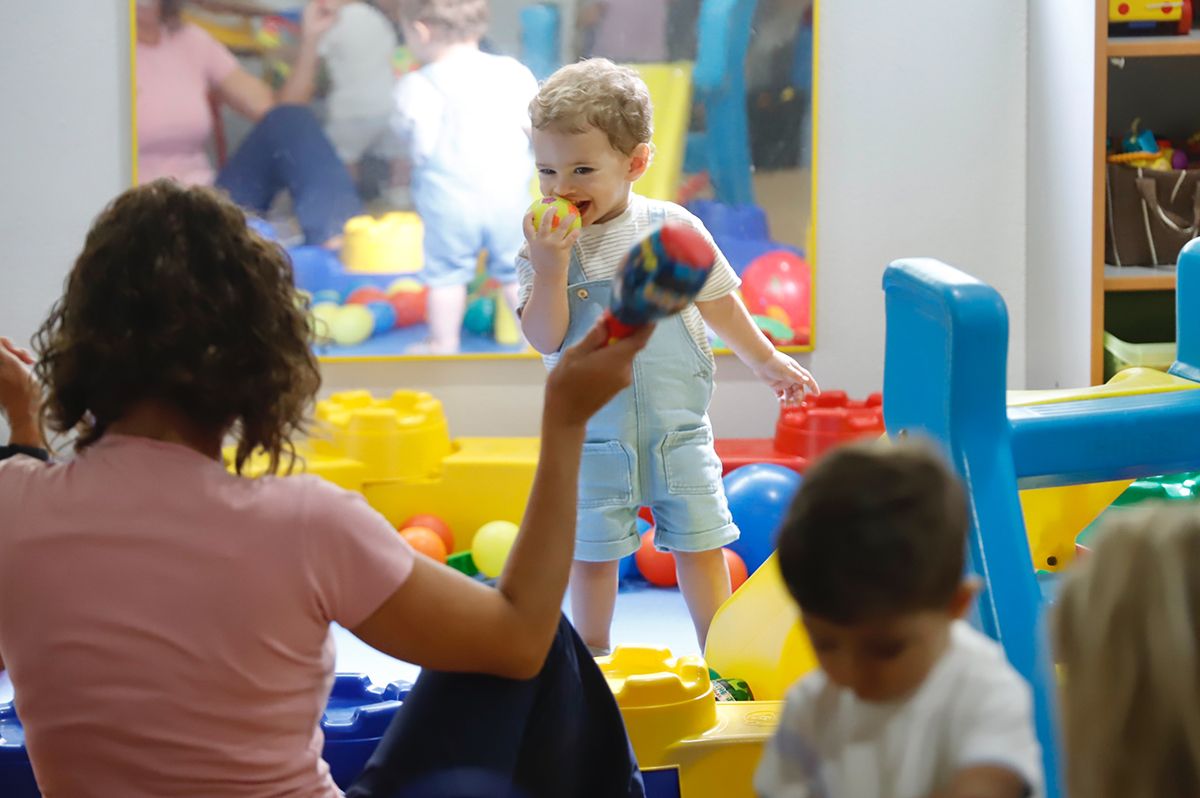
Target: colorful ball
{"type": "Point", "coordinates": [321, 317]}
{"type": "Point", "coordinates": [737, 569]}
{"type": "Point", "coordinates": [759, 496]}
{"type": "Point", "coordinates": [351, 325]}
{"type": "Point", "coordinates": [365, 295]}
{"type": "Point", "coordinates": [480, 317]}
{"type": "Point", "coordinates": [436, 524]}
{"type": "Point", "coordinates": [491, 546]}
{"type": "Point", "coordinates": [330, 295]}
{"type": "Point", "coordinates": [562, 211]}
{"type": "Point", "coordinates": [385, 316]}
{"type": "Point", "coordinates": [425, 541]}
{"type": "Point", "coordinates": [658, 567]}
{"type": "Point", "coordinates": [405, 285]}
{"type": "Point", "coordinates": [408, 304]}
{"type": "Point", "coordinates": [779, 285]}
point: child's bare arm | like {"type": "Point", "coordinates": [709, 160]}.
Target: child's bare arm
{"type": "Point", "coordinates": [985, 781]}
{"type": "Point", "coordinates": [732, 323]}
{"type": "Point", "coordinates": [20, 397]}
{"type": "Point", "coordinates": [546, 315]}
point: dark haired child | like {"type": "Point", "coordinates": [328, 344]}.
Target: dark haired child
{"type": "Point", "coordinates": [909, 700]}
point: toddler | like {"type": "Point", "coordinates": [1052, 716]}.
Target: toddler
{"type": "Point", "coordinates": [462, 119]}
{"type": "Point", "coordinates": [653, 444]}
{"type": "Point", "coordinates": [909, 700]}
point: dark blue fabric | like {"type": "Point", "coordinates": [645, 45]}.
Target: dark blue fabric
{"type": "Point", "coordinates": [558, 735]}
{"type": "Point", "coordinates": [287, 150]}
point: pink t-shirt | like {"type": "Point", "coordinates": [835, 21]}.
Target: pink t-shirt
{"type": "Point", "coordinates": [166, 624]}
{"type": "Point", "coordinates": [174, 122]}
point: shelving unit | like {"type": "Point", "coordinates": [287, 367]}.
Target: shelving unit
{"type": "Point", "coordinates": [1108, 279]}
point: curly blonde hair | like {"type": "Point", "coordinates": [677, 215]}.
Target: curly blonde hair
{"type": "Point", "coordinates": [596, 93]}
{"type": "Point", "coordinates": [175, 299]}
{"type": "Point", "coordinates": [1128, 635]}
{"type": "Point", "coordinates": [449, 21]}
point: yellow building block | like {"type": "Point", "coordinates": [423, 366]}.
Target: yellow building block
{"type": "Point", "coordinates": [390, 244]}
{"type": "Point", "coordinates": [402, 437]}
{"type": "Point", "coordinates": [675, 722]}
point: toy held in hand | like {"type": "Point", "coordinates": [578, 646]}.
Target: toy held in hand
{"type": "Point", "coordinates": [563, 212]}
{"type": "Point", "coordinates": [662, 274]}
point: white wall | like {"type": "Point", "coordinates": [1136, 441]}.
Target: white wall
{"type": "Point", "coordinates": [1059, 185]}
{"type": "Point", "coordinates": [921, 152]}
{"type": "Point", "coordinates": [64, 144]}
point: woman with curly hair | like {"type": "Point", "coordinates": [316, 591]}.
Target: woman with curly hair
{"type": "Point", "coordinates": [179, 66]}
{"type": "Point", "coordinates": [165, 622]}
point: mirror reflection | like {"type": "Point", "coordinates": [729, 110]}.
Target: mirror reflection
{"type": "Point", "coordinates": [387, 145]}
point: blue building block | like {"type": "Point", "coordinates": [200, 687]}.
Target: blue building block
{"type": "Point", "coordinates": [944, 378]}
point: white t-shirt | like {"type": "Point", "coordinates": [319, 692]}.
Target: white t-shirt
{"type": "Point", "coordinates": [973, 709]}
{"type": "Point", "coordinates": [358, 52]}
{"type": "Point", "coordinates": [602, 248]}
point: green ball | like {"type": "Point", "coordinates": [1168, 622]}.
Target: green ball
{"type": "Point", "coordinates": [480, 317]}
{"type": "Point", "coordinates": [321, 318]}
{"type": "Point", "coordinates": [491, 546]}
{"type": "Point", "coordinates": [352, 325]}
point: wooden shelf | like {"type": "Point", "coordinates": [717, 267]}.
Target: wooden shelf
{"type": "Point", "coordinates": [1154, 46]}
{"type": "Point", "coordinates": [1139, 278]}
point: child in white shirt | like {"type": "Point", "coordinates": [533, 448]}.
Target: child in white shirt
{"type": "Point", "coordinates": [909, 701]}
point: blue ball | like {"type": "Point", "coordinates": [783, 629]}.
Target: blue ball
{"type": "Point", "coordinates": [759, 496]}
{"type": "Point", "coordinates": [315, 268]}
{"type": "Point", "coordinates": [385, 316]}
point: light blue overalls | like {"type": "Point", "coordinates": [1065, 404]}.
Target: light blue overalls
{"type": "Point", "coordinates": [652, 445]}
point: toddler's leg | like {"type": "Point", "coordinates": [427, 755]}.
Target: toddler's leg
{"type": "Point", "coordinates": [593, 597]}
{"type": "Point", "coordinates": [447, 304]}
{"type": "Point", "coordinates": [704, 582]}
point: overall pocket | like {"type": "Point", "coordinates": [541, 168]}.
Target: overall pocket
{"type": "Point", "coordinates": [691, 465]}
{"type": "Point", "coordinates": [605, 475]}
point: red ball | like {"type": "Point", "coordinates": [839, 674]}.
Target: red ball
{"type": "Point", "coordinates": [658, 567]}
{"type": "Point", "coordinates": [779, 284]}
{"type": "Point", "coordinates": [434, 523]}
{"type": "Point", "coordinates": [737, 569]}
{"type": "Point", "coordinates": [647, 515]}
{"type": "Point", "coordinates": [409, 305]}
{"type": "Point", "coordinates": [365, 295]}
{"type": "Point", "coordinates": [425, 541]}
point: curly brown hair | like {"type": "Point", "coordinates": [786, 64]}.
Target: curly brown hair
{"type": "Point", "coordinates": [174, 298]}
{"type": "Point", "coordinates": [450, 21]}
{"type": "Point", "coordinates": [596, 93]}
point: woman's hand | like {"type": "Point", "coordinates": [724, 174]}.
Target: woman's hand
{"type": "Point", "coordinates": [589, 374]}
{"type": "Point", "coordinates": [20, 396]}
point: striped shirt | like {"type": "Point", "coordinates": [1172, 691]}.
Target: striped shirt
{"type": "Point", "coordinates": [602, 248]}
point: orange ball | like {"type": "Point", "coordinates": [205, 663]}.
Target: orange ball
{"type": "Point", "coordinates": [737, 569]}
{"type": "Point", "coordinates": [658, 567]}
{"type": "Point", "coordinates": [436, 524]}
{"type": "Point", "coordinates": [426, 541]}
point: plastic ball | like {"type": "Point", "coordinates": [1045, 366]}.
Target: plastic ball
{"type": "Point", "coordinates": [352, 325]}
{"type": "Point", "coordinates": [314, 268]}
{"type": "Point", "coordinates": [758, 497]}
{"type": "Point", "coordinates": [365, 295]}
{"type": "Point", "coordinates": [561, 209]}
{"type": "Point", "coordinates": [425, 541]}
{"type": "Point", "coordinates": [330, 295]}
{"type": "Point", "coordinates": [480, 317]}
{"type": "Point", "coordinates": [658, 567]}
{"type": "Point", "coordinates": [779, 285]}
{"type": "Point", "coordinates": [405, 285]}
{"type": "Point", "coordinates": [436, 524]}
{"type": "Point", "coordinates": [737, 569]}
{"type": "Point", "coordinates": [491, 546]}
{"type": "Point", "coordinates": [321, 317]}
{"type": "Point", "coordinates": [384, 314]}
{"type": "Point", "coordinates": [408, 304]}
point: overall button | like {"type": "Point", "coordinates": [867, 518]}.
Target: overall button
{"type": "Point", "coordinates": [582, 293]}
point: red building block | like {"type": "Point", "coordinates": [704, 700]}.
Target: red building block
{"type": "Point", "coordinates": [806, 431]}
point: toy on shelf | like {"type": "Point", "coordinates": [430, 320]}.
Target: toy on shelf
{"type": "Point", "coordinates": [687, 743]}
{"type": "Point", "coordinates": [1150, 16]}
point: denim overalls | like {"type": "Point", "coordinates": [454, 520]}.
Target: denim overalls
{"type": "Point", "coordinates": [652, 445]}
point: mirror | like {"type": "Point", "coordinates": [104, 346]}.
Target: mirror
{"type": "Point", "coordinates": [302, 131]}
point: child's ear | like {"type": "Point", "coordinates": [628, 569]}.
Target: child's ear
{"type": "Point", "coordinates": [964, 594]}
{"type": "Point", "coordinates": [639, 161]}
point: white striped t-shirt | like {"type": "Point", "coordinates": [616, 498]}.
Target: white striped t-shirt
{"type": "Point", "coordinates": [602, 248]}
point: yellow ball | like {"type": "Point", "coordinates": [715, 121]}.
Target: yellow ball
{"type": "Point", "coordinates": [321, 318]}
{"type": "Point", "coordinates": [352, 325]}
{"type": "Point", "coordinates": [405, 285]}
{"type": "Point", "coordinates": [491, 546]}
{"type": "Point", "coordinates": [565, 211]}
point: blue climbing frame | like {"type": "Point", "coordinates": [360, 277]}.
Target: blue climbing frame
{"type": "Point", "coordinates": [944, 378]}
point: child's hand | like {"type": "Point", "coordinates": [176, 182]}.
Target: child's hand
{"type": "Point", "coordinates": [549, 250]}
{"type": "Point", "coordinates": [590, 373]}
{"type": "Point", "coordinates": [318, 17]}
{"type": "Point", "coordinates": [20, 396]}
{"type": "Point", "coordinates": [787, 378]}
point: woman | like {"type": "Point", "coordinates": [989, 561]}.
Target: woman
{"type": "Point", "coordinates": [179, 66]}
{"type": "Point", "coordinates": [166, 623]}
